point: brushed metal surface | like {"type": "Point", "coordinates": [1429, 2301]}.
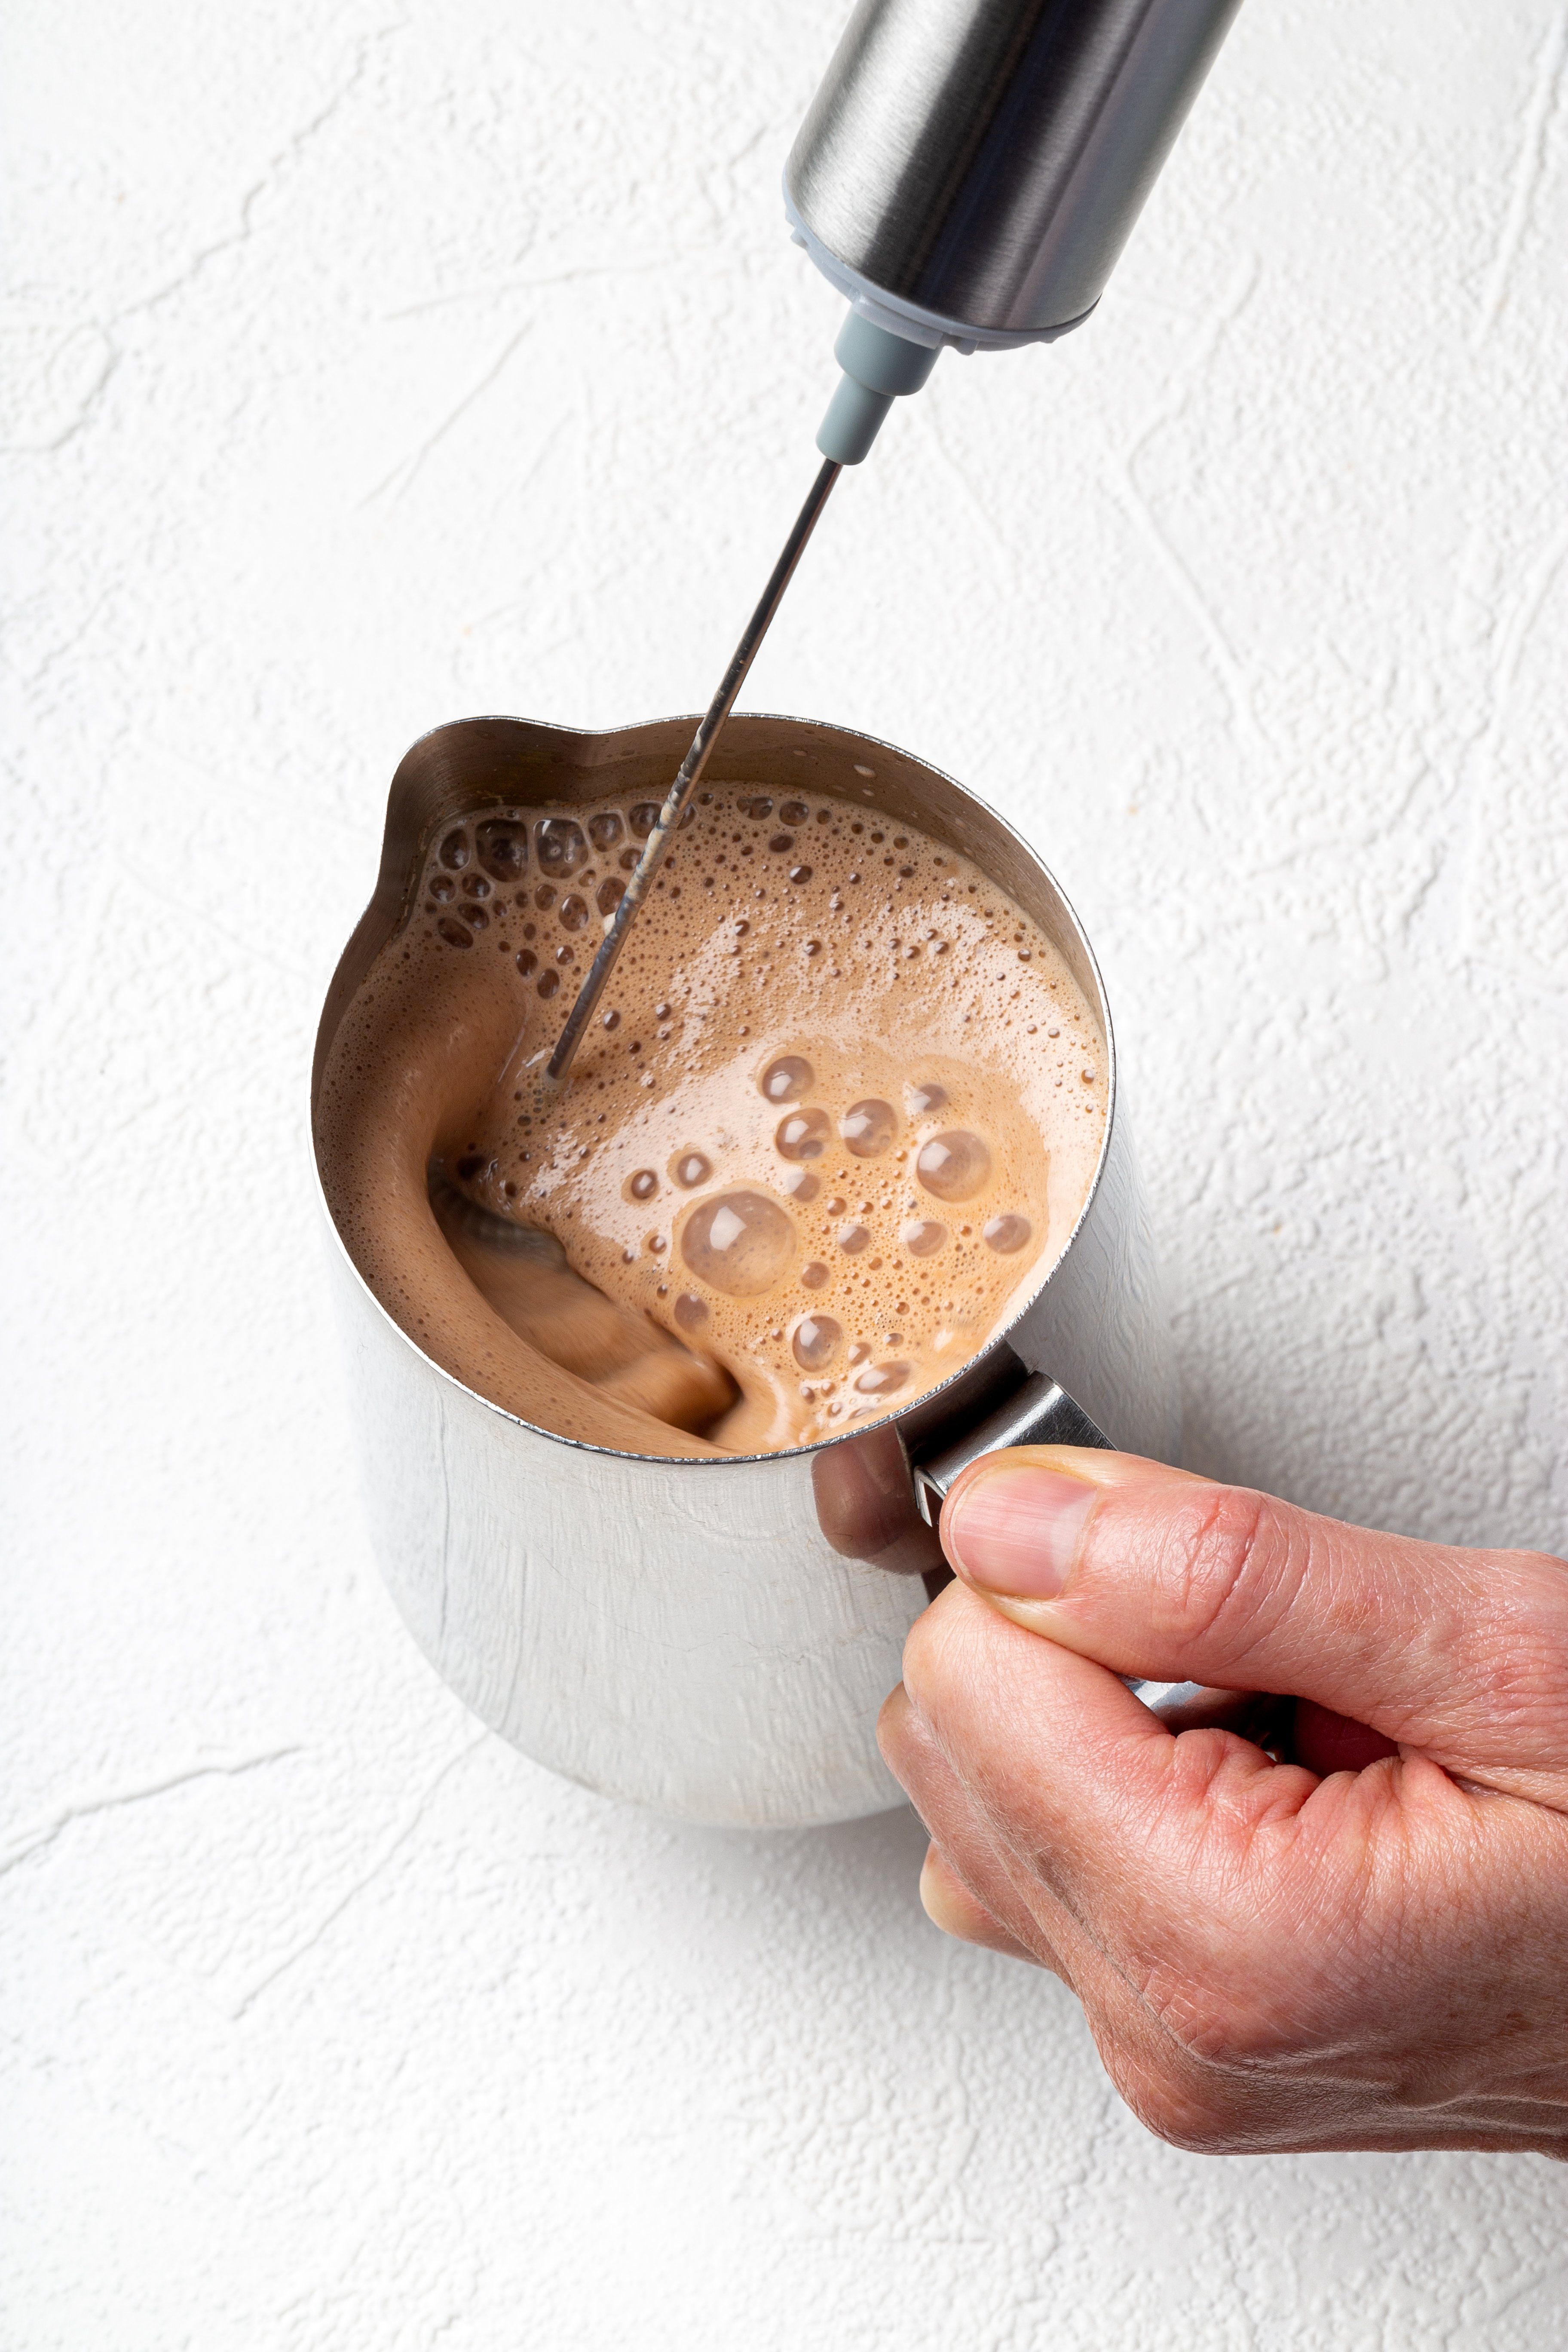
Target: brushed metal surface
{"type": "Point", "coordinates": [984, 160]}
{"type": "Point", "coordinates": [1039, 1412]}
{"type": "Point", "coordinates": [711, 1638]}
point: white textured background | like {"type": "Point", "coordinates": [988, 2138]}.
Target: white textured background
{"type": "Point", "coordinates": [366, 367]}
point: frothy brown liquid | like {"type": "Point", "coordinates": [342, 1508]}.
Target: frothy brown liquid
{"type": "Point", "coordinates": [839, 1114]}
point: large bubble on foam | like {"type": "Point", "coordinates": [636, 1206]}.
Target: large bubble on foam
{"type": "Point", "coordinates": [954, 1166]}
{"type": "Point", "coordinates": [787, 1079]}
{"type": "Point", "coordinates": [740, 1243]}
{"type": "Point", "coordinates": [503, 848]}
{"type": "Point", "coordinates": [868, 1128]}
{"type": "Point", "coordinates": [803, 1134]}
{"type": "Point", "coordinates": [559, 845]}
{"type": "Point", "coordinates": [814, 1341]}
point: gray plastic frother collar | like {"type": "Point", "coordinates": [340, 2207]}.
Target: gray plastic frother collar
{"type": "Point", "coordinates": [878, 368]}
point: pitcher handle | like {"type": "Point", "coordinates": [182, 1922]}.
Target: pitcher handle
{"type": "Point", "coordinates": [1041, 1413]}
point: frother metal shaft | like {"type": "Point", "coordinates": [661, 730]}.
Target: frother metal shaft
{"type": "Point", "coordinates": [687, 781]}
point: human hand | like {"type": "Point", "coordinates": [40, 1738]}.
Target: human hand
{"type": "Point", "coordinates": [1268, 1958]}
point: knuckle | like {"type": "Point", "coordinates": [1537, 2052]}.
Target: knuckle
{"type": "Point", "coordinates": [1234, 1557]}
{"type": "Point", "coordinates": [1212, 2079]}
{"type": "Point", "coordinates": [1527, 1593]}
{"type": "Point", "coordinates": [1205, 2118]}
{"type": "Point", "coordinates": [922, 1660]}
{"type": "Point", "coordinates": [893, 1728]}
{"type": "Point", "coordinates": [1235, 2031]}
{"type": "Point", "coordinates": [939, 1647]}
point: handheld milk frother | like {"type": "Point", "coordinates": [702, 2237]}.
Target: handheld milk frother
{"type": "Point", "coordinates": [967, 174]}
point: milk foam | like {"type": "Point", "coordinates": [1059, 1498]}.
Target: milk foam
{"type": "Point", "coordinates": [838, 1115]}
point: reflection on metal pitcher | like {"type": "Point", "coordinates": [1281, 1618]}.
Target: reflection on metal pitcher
{"type": "Point", "coordinates": [712, 1637]}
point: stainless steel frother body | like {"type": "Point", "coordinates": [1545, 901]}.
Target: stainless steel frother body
{"type": "Point", "coordinates": [970, 170]}
{"type": "Point", "coordinates": [713, 1638]}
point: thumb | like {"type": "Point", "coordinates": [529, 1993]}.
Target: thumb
{"type": "Point", "coordinates": [1462, 1655]}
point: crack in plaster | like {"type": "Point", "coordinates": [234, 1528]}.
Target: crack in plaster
{"type": "Point", "coordinates": [388, 1853]}
{"type": "Point", "coordinates": [1530, 168]}
{"type": "Point", "coordinates": [80, 1809]}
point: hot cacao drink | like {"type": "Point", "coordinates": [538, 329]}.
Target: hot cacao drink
{"type": "Point", "coordinates": [836, 1121]}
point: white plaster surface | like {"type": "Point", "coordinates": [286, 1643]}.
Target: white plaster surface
{"type": "Point", "coordinates": [369, 364]}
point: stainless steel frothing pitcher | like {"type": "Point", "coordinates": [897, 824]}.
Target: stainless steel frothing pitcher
{"type": "Point", "coordinates": [713, 1638]}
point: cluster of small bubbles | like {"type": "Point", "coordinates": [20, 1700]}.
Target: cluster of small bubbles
{"type": "Point", "coordinates": [1006, 1235]}
{"type": "Point", "coordinates": [802, 1135]}
{"type": "Point", "coordinates": [739, 1242]}
{"type": "Point", "coordinates": [954, 1166]}
{"type": "Point", "coordinates": [690, 1169]}
{"type": "Point", "coordinates": [814, 1341]}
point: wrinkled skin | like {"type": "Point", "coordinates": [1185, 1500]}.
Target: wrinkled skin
{"type": "Point", "coordinates": [1270, 1956]}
